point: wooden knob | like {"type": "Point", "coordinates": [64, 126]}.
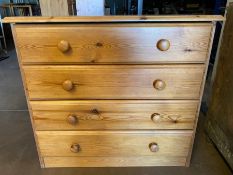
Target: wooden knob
{"type": "Point", "coordinates": [159, 84]}
{"type": "Point", "coordinates": [63, 46]}
{"type": "Point", "coordinates": [75, 148]}
{"type": "Point", "coordinates": [155, 117]}
{"type": "Point", "coordinates": [72, 119]}
{"type": "Point", "coordinates": [154, 147]}
{"type": "Point", "coordinates": [68, 85]}
{"type": "Point", "coordinates": [163, 45]}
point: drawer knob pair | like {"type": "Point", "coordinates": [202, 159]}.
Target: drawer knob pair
{"type": "Point", "coordinates": [68, 85]}
{"type": "Point", "coordinates": [158, 84]}
{"type": "Point", "coordinates": [75, 148]}
{"type": "Point", "coordinates": [63, 46]}
{"type": "Point", "coordinates": [72, 119]}
{"type": "Point", "coordinates": [163, 45]}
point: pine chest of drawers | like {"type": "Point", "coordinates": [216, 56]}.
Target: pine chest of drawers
{"type": "Point", "coordinates": [114, 91]}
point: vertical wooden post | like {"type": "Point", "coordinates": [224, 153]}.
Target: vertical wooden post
{"type": "Point", "coordinates": [219, 124]}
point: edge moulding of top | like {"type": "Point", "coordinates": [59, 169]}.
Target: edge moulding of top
{"type": "Point", "coordinates": [70, 19]}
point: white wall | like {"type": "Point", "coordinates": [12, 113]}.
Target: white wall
{"type": "Point", "coordinates": [90, 7]}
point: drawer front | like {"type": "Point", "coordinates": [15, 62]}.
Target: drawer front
{"type": "Point", "coordinates": [114, 143]}
{"type": "Point", "coordinates": [113, 43]}
{"type": "Point", "coordinates": [113, 114]}
{"type": "Point", "coordinates": [114, 82]}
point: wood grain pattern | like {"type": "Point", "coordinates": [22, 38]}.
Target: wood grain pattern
{"type": "Point", "coordinates": [76, 19]}
{"type": "Point", "coordinates": [114, 103]}
{"type": "Point", "coordinates": [114, 82]}
{"type": "Point", "coordinates": [113, 143]}
{"type": "Point", "coordinates": [113, 161]}
{"type": "Point", "coordinates": [119, 43]}
{"type": "Point", "coordinates": [202, 90]}
{"type": "Point", "coordinates": [220, 119]}
{"type": "Point", "coordinates": [27, 96]}
{"type": "Point", "coordinates": [114, 114]}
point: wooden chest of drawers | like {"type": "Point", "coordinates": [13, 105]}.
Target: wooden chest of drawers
{"type": "Point", "coordinates": [114, 91]}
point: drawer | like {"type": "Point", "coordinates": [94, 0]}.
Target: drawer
{"type": "Point", "coordinates": [114, 82]}
{"type": "Point", "coordinates": [114, 143]}
{"type": "Point", "coordinates": [113, 114]}
{"type": "Point", "coordinates": [113, 43]}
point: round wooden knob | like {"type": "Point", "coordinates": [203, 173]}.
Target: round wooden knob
{"type": "Point", "coordinates": [155, 117]}
{"type": "Point", "coordinates": [72, 119]}
{"type": "Point", "coordinates": [163, 45]}
{"type": "Point", "coordinates": [159, 84]}
{"type": "Point", "coordinates": [154, 147]}
{"type": "Point", "coordinates": [63, 46]}
{"type": "Point", "coordinates": [68, 85]}
{"type": "Point", "coordinates": [75, 148]}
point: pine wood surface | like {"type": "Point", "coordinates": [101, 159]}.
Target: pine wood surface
{"type": "Point", "coordinates": [114, 82]}
{"type": "Point", "coordinates": [85, 19]}
{"type": "Point", "coordinates": [114, 114]}
{"type": "Point", "coordinates": [113, 143]}
{"type": "Point", "coordinates": [157, 73]}
{"type": "Point", "coordinates": [113, 44]}
{"type": "Point", "coordinates": [51, 162]}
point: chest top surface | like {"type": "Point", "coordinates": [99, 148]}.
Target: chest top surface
{"type": "Point", "coordinates": [87, 19]}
